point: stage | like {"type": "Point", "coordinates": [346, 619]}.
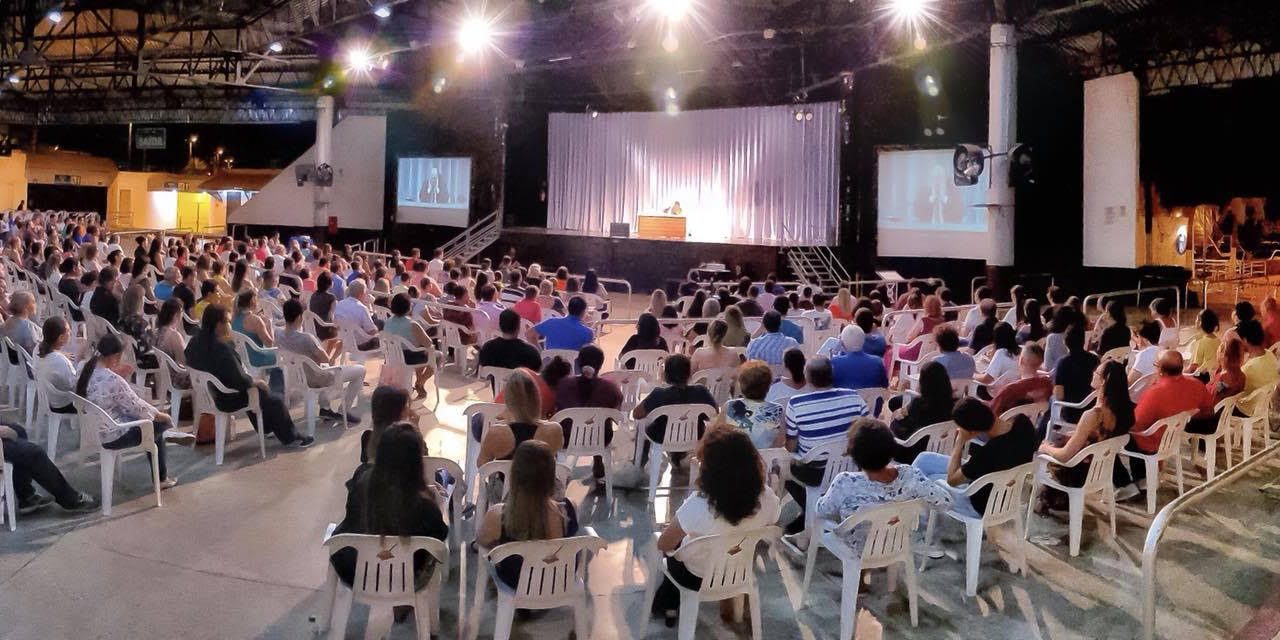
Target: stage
{"type": "Point", "coordinates": [646, 263]}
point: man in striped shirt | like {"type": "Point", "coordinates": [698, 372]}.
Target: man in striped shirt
{"type": "Point", "coordinates": [813, 419]}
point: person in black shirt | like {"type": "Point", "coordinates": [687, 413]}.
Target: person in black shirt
{"type": "Point", "coordinates": [1074, 375]}
{"type": "Point", "coordinates": [984, 333]}
{"type": "Point", "coordinates": [648, 335]}
{"type": "Point", "coordinates": [186, 289]}
{"type": "Point", "coordinates": [1008, 444]}
{"type": "Point", "coordinates": [509, 351]}
{"type": "Point", "coordinates": [933, 406]}
{"type": "Point", "coordinates": [676, 371]}
{"type": "Point", "coordinates": [105, 302]}
{"type": "Point", "coordinates": [1116, 334]}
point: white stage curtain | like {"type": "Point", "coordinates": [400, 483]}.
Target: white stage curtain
{"type": "Point", "coordinates": [754, 175]}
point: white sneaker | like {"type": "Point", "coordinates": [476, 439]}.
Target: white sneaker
{"type": "Point", "coordinates": [168, 483]}
{"type": "Point", "coordinates": [1127, 492]}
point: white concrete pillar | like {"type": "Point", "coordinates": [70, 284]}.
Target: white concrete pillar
{"type": "Point", "coordinates": [324, 155]}
{"type": "Point", "coordinates": [1002, 132]}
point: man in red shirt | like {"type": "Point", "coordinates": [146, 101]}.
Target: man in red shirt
{"type": "Point", "coordinates": [1170, 394]}
{"type": "Point", "coordinates": [1031, 385]}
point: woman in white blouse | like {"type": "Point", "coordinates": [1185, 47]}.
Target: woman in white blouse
{"type": "Point", "coordinates": [1003, 368]}
{"type": "Point", "coordinates": [171, 339]}
{"type": "Point", "coordinates": [54, 367]}
{"type": "Point", "coordinates": [101, 382]}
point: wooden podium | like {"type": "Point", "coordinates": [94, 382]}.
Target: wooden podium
{"type": "Point", "coordinates": [660, 227]}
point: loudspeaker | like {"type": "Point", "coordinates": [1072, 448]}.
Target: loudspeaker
{"type": "Point", "coordinates": [619, 230]}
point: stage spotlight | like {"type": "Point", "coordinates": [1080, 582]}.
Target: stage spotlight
{"type": "Point", "coordinates": [276, 47]}
{"type": "Point", "coordinates": [382, 10]}
{"type": "Point", "coordinates": [968, 162]}
{"type": "Point", "coordinates": [799, 116]}
{"type": "Point", "coordinates": [928, 133]}
{"type": "Point", "coordinates": [672, 10]}
{"type": "Point", "coordinates": [359, 59]}
{"type": "Point", "coordinates": [808, 116]}
{"type": "Point", "coordinates": [54, 15]}
{"type": "Point", "coordinates": [911, 12]}
{"type": "Point", "coordinates": [475, 34]}
{"type": "Point", "coordinates": [14, 78]}
{"type": "Point", "coordinates": [940, 131]}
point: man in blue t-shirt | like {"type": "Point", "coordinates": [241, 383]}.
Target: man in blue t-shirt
{"type": "Point", "coordinates": [856, 369]}
{"type": "Point", "coordinates": [567, 332]}
{"type": "Point", "coordinates": [782, 305]}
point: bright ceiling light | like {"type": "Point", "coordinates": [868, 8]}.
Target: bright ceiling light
{"type": "Point", "coordinates": [672, 10]}
{"type": "Point", "coordinates": [382, 11]}
{"type": "Point", "coordinates": [475, 34]}
{"type": "Point", "coordinates": [276, 47]}
{"type": "Point", "coordinates": [54, 16]}
{"type": "Point", "coordinates": [14, 78]}
{"type": "Point", "coordinates": [359, 59]}
{"type": "Point", "coordinates": [911, 13]}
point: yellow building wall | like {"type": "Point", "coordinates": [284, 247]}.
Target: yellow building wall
{"type": "Point", "coordinates": [13, 180]}
{"type": "Point", "coordinates": [200, 212]}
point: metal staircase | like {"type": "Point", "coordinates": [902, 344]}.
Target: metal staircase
{"type": "Point", "coordinates": [467, 245]}
{"type": "Point", "coordinates": [817, 266]}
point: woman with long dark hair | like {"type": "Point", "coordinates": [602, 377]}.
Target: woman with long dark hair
{"type": "Point", "coordinates": [588, 389]}
{"type": "Point", "coordinates": [731, 497]}
{"type": "Point", "coordinates": [648, 335]}
{"type": "Point", "coordinates": [933, 406]}
{"type": "Point", "coordinates": [392, 498]}
{"type": "Point", "coordinates": [531, 510]}
{"type": "Point", "coordinates": [101, 383]}
{"type": "Point", "coordinates": [1115, 333]}
{"type": "Point", "coordinates": [1111, 416]}
{"type": "Point", "coordinates": [1003, 367]}
{"type": "Point", "coordinates": [793, 381]}
{"type": "Point", "coordinates": [53, 366]}
{"type": "Point", "coordinates": [1032, 327]}
{"type": "Point", "coordinates": [387, 406]}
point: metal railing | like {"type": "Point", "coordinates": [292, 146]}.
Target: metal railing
{"type": "Point", "coordinates": [857, 285]}
{"type": "Point", "coordinates": [1098, 298]}
{"type": "Point", "coordinates": [462, 241]}
{"type": "Point", "coordinates": [1161, 523]}
{"type": "Point", "coordinates": [981, 280]}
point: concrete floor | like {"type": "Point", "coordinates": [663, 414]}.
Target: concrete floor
{"type": "Point", "coordinates": [235, 553]}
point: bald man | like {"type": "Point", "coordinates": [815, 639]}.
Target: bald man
{"type": "Point", "coordinates": [1170, 394]}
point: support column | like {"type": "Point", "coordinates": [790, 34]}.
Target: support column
{"type": "Point", "coordinates": [1002, 131]}
{"type": "Point", "coordinates": [324, 155]}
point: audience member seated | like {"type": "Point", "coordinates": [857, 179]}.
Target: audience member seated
{"type": "Point", "coordinates": [1032, 328]}
{"type": "Point", "coordinates": [32, 464]}
{"type": "Point", "coordinates": [782, 305]}
{"type": "Point", "coordinates": [1204, 348]}
{"type": "Point", "coordinates": [19, 327]}
{"type": "Point", "coordinates": [736, 334]}
{"type": "Point", "coordinates": [399, 324]}
{"type": "Point", "coordinates": [793, 381]}
{"type": "Point", "coordinates": [524, 421]}
{"type": "Point", "coordinates": [1111, 416]}
{"type": "Point", "coordinates": [1029, 385]}
{"type": "Point", "coordinates": [1162, 314]}
{"type": "Point", "coordinates": [647, 335]}
{"type": "Point", "coordinates": [164, 288]}
{"type": "Point", "coordinates": [1146, 349]}
{"type": "Point", "coordinates": [392, 498]}
{"type": "Point", "coordinates": [751, 305]}
{"type": "Point", "coordinates": [135, 324]}
{"type": "Point", "coordinates": [984, 333]}
{"type": "Point", "coordinates": [353, 312]}
{"type": "Point", "coordinates": [53, 365]}
{"type": "Point", "coordinates": [528, 307]}
{"type": "Point", "coordinates": [1072, 380]}
{"type": "Point", "coordinates": [170, 338]}
{"type": "Point", "coordinates": [322, 304]}
{"type": "Point", "coordinates": [676, 370]}
{"type": "Point", "coordinates": [878, 480]}
{"type": "Point", "coordinates": [1116, 333]}
{"type": "Point", "coordinates": [1003, 366]}
{"type": "Point", "coordinates": [752, 412]}
{"type": "Point", "coordinates": [294, 339]}
{"type": "Point", "coordinates": [588, 389]}
{"type": "Point", "coordinates": [209, 351]}
{"type": "Point", "coordinates": [1055, 345]}
{"type": "Point", "coordinates": [101, 383]}
{"type": "Point", "coordinates": [816, 418]}
{"type": "Point", "coordinates": [568, 332]}
{"type": "Point", "coordinates": [508, 350]}
{"type": "Point", "coordinates": [933, 406]}
{"type": "Point", "coordinates": [854, 368]}
{"type": "Point", "coordinates": [773, 343]}
{"type": "Point", "coordinates": [731, 498]}
{"type": "Point", "coordinates": [715, 355]}
{"type": "Point", "coordinates": [959, 365]}
{"type": "Point", "coordinates": [1260, 367]}
{"type": "Point", "coordinates": [250, 322]}
{"type": "Point", "coordinates": [387, 406]}
{"type": "Point", "coordinates": [1004, 445]}
{"type": "Point", "coordinates": [874, 341]}
{"type": "Point", "coordinates": [531, 511]}
{"type": "Point", "coordinates": [1170, 394]}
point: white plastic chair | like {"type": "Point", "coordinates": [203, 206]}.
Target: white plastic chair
{"type": "Point", "coordinates": [568, 355]}
{"type": "Point", "coordinates": [297, 369]}
{"type": "Point", "coordinates": [887, 542]}
{"type": "Point", "coordinates": [777, 468]}
{"type": "Point", "coordinates": [586, 437]}
{"type": "Point", "coordinates": [1256, 410]}
{"type": "Point", "coordinates": [451, 504]}
{"type": "Point", "coordinates": [1004, 504]}
{"type": "Point", "coordinates": [837, 462]}
{"type": "Point", "coordinates": [452, 345]}
{"type": "Point", "coordinates": [1170, 447]}
{"type": "Point", "coordinates": [53, 421]}
{"type": "Point", "coordinates": [351, 345]}
{"type": "Point", "coordinates": [8, 497]}
{"type": "Point", "coordinates": [224, 423]}
{"type": "Point", "coordinates": [646, 360]}
{"type": "Point", "coordinates": [244, 346]}
{"type": "Point", "coordinates": [681, 436]}
{"type": "Point", "coordinates": [1032, 410]}
{"type": "Point", "coordinates": [21, 378]}
{"type": "Point", "coordinates": [718, 381]}
{"type": "Point", "coordinates": [1102, 458]}
{"type": "Point", "coordinates": [873, 395]}
{"type": "Point", "coordinates": [394, 347]}
{"type": "Point", "coordinates": [312, 323]}
{"type": "Point", "coordinates": [93, 418]}
{"type": "Point", "coordinates": [489, 413]}
{"type": "Point", "coordinates": [553, 575]}
{"type": "Point", "coordinates": [1118, 354]}
{"type": "Point", "coordinates": [1140, 386]}
{"type": "Point", "coordinates": [497, 377]}
{"type": "Point", "coordinates": [489, 471]}
{"type": "Point", "coordinates": [1055, 412]}
{"type": "Point", "coordinates": [384, 578]}
{"type": "Point", "coordinates": [166, 383]}
{"type": "Point", "coordinates": [1225, 410]}
{"type": "Point", "coordinates": [941, 438]}
{"type": "Point", "coordinates": [633, 385]}
{"type": "Point", "coordinates": [729, 560]}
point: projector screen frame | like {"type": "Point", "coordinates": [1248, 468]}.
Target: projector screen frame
{"type": "Point", "coordinates": [951, 243]}
{"type": "Point", "coordinates": [466, 212]}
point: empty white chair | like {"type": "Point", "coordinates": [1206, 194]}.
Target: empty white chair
{"type": "Point", "coordinates": [8, 497]}
{"type": "Point", "coordinates": [1102, 457]}
{"type": "Point", "coordinates": [887, 543]}
{"type": "Point", "coordinates": [553, 575]}
{"type": "Point", "coordinates": [941, 438]}
{"type": "Point", "coordinates": [92, 417]}
{"type": "Point", "coordinates": [298, 370]}
{"type": "Point", "coordinates": [646, 360]}
{"type": "Point", "coordinates": [384, 578]}
{"type": "Point", "coordinates": [718, 381]}
{"type": "Point", "coordinates": [587, 428]}
{"type": "Point", "coordinates": [1004, 504]}
{"type": "Point", "coordinates": [224, 423]}
{"type": "Point", "coordinates": [833, 452]}
{"type": "Point", "coordinates": [1170, 448]}
{"type": "Point", "coordinates": [681, 435]}
{"type": "Point", "coordinates": [730, 573]}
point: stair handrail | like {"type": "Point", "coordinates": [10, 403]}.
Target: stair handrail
{"type": "Point", "coordinates": [828, 258]}
{"type": "Point", "coordinates": [452, 247]}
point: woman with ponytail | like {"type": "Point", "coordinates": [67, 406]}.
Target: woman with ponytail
{"type": "Point", "coordinates": [715, 355]}
{"type": "Point", "coordinates": [588, 389]}
{"type": "Point", "coordinates": [53, 366]}
{"type": "Point", "coordinates": [102, 384]}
